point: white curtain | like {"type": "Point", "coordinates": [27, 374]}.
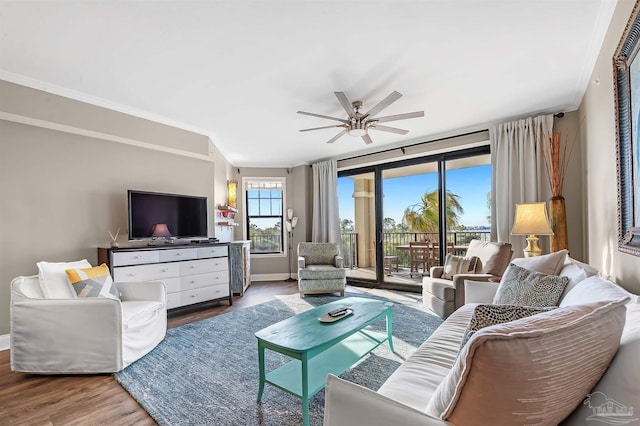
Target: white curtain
{"type": "Point", "coordinates": [326, 218]}
{"type": "Point", "coordinates": [517, 159]}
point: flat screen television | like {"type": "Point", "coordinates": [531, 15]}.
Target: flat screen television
{"type": "Point", "coordinates": [184, 216]}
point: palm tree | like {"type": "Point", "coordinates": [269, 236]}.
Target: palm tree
{"type": "Point", "coordinates": [423, 216]}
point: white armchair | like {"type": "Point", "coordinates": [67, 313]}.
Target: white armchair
{"type": "Point", "coordinates": [84, 335]}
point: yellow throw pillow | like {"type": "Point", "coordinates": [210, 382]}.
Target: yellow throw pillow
{"type": "Point", "coordinates": [93, 282]}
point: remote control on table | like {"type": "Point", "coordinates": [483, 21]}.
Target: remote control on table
{"type": "Point", "coordinates": [338, 312]}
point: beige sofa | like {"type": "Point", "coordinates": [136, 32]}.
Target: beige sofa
{"type": "Point", "coordinates": [535, 370]}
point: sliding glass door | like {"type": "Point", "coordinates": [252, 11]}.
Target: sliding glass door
{"type": "Point", "coordinates": [399, 219]}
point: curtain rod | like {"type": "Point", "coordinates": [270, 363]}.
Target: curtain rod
{"type": "Point", "coordinates": [402, 148]}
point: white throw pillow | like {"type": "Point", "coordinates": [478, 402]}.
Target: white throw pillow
{"type": "Point", "coordinates": [53, 278]}
{"type": "Point", "coordinates": [550, 264]}
{"type": "Point", "coordinates": [592, 290]}
{"type": "Point", "coordinates": [576, 272]}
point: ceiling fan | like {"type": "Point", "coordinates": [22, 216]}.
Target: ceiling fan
{"type": "Point", "coordinates": [358, 124]}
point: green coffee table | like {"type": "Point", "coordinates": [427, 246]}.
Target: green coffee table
{"type": "Point", "coordinates": [319, 348]}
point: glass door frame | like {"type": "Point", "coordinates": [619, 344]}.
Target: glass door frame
{"type": "Point", "coordinates": [378, 169]}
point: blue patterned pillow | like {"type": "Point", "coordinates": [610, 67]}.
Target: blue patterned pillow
{"type": "Point", "coordinates": [520, 286]}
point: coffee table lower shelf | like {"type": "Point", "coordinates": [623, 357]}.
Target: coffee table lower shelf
{"type": "Point", "coordinates": [335, 360]}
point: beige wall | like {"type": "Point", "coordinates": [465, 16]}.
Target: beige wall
{"type": "Point", "coordinates": [298, 198]}
{"type": "Point", "coordinates": [63, 191]}
{"type": "Point", "coordinates": [597, 112]}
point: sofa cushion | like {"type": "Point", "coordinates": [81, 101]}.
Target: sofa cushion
{"type": "Point", "coordinates": [487, 315]}
{"type": "Point", "coordinates": [593, 289]}
{"type": "Point", "coordinates": [414, 382]}
{"type": "Point", "coordinates": [622, 381]}
{"type": "Point", "coordinates": [550, 264]}
{"type": "Point", "coordinates": [53, 279]}
{"type": "Point", "coordinates": [93, 282]}
{"type": "Point", "coordinates": [520, 286]}
{"type": "Point", "coordinates": [321, 272]}
{"type": "Point", "coordinates": [458, 265]}
{"type": "Point", "coordinates": [493, 257]}
{"type": "Point", "coordinates": [537, 369]}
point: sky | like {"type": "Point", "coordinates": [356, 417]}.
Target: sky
{"type": "Point", "coordinates": [471, 184]}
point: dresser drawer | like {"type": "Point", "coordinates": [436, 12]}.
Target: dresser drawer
{"type": "Point", "coordinates": [172, 284]}
{"type": "Point", "coordinates": [202, 266]}
{"type": "Point", "coordinates": [158, 271]}
{"type": "Point", "coordinates": [219, 251]}
{"type": "Point", "coordinates": [125, 258]}
{"type": "Point", "coordinates": [178, 254]}
{"type": "Point", "coordinates": [173, 300]}
{"type": "Point", "coordinates": [203, 294]}
{"type": "Point", "coordinates": [204, 280]}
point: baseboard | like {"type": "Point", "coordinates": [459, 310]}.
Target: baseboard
{"type": "Point", "coordinates": [271, 277]}
{"type": "Point", "coordinates": [4, 342]}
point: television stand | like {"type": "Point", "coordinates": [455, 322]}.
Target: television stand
{"type": "Point", "coordinates": [192, 273]}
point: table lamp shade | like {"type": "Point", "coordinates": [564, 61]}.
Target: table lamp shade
{"type": "Point", "coordinates": [531, 219]}
{"type": "Point", "coordinates": [160, 230]}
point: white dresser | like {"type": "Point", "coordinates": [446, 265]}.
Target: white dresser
{"type": "Point", "coordinates": [192, 273]}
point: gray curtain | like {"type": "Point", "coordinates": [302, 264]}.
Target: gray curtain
{"type": "Point", "coordinates": [326, 217]}
{"type": "Point", "coordinates": [518, 174]}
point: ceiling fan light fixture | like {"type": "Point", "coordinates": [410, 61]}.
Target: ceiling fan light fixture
{"type": "Point", "coordinates": [357, 129]}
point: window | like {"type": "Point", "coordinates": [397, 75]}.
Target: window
{"type": "Point", "coordinates": [265, 201]}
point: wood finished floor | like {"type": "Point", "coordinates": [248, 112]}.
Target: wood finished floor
{"type": "Point", "coordinates": [27, 399]}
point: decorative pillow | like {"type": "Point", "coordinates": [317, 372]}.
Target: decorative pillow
{"type": "Point", "coordinates": [93, 282]}
{"type": "Point", "coordinates": [523, 287]}
{"type": "Point", "coordinates": [458, 265]}
{"type": "Point", "coordinates": [593, 289]}
{"type": "Point", "coordinates": [520, 372]}
{"type": "Point", "coordinates": [487, 315]}
{"type": "Point", "coordinates": [550, 264]}
{"type": "Point", "coordinates": [53, 280]}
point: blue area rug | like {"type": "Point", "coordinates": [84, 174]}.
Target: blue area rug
{"type": "Point", "coordinates": [206, 373]}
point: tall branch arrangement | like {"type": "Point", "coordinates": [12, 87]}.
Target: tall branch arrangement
{"type": "Point", "coordinates": [556, 159]}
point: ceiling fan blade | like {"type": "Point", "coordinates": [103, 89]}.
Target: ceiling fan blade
{"type": "Point", "coordinates": [394, 96]}
{"type": "Point", "coordinates": [338, 136]}
{"type": "Point", "coordinates": [400, 116]}
{"type": "Point", "coordinates": [323, 127]}
{"type": "Point", "coordinates": [345, 102]}
{"type": "Point", "coordinates": [390, 129]}
{"type": "Point", "coordinates": [342, 120]}
{"type": "Point", "coordinates": [367, 139]}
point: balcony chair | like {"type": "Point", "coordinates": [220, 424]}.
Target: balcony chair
{"type": "Point", "coordinates": [320, 269]}
{"type": "Point", "coordinates": [419, 255]}
{"type": "Point", "coordinates": [62, 333]}
{"type": "Point", "coordinates": [443, 295]}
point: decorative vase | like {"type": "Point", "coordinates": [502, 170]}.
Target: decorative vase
{"type": "Point", "coordinates": [558, 218]}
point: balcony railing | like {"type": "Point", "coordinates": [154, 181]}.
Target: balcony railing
{"type": "Point", "coordinates": [270, 243]}
{"type": "Point", "coordinates": [394, 239]}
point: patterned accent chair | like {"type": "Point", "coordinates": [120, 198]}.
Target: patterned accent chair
{"type": "Point", "coordinates": [320, 269]}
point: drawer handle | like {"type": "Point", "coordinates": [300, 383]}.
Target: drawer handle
{"type": "Point", "coordinates": [137, 257]}
{"type": "Point", "coordinates": [193, 282]}
{"type": "Point", "coordinates": [178, 254]}
{"type": "Point", "coordinates": [132, 274]}
{"type": "Point", "coordinates": [165, 270]}
{"type": "Point", "coordinates": [193, 266]}
{"type": "Point", "coordinates": [193, 295]}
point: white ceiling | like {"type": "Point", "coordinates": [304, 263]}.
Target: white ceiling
{"type": "Point", "coordinates": [239, 70]}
